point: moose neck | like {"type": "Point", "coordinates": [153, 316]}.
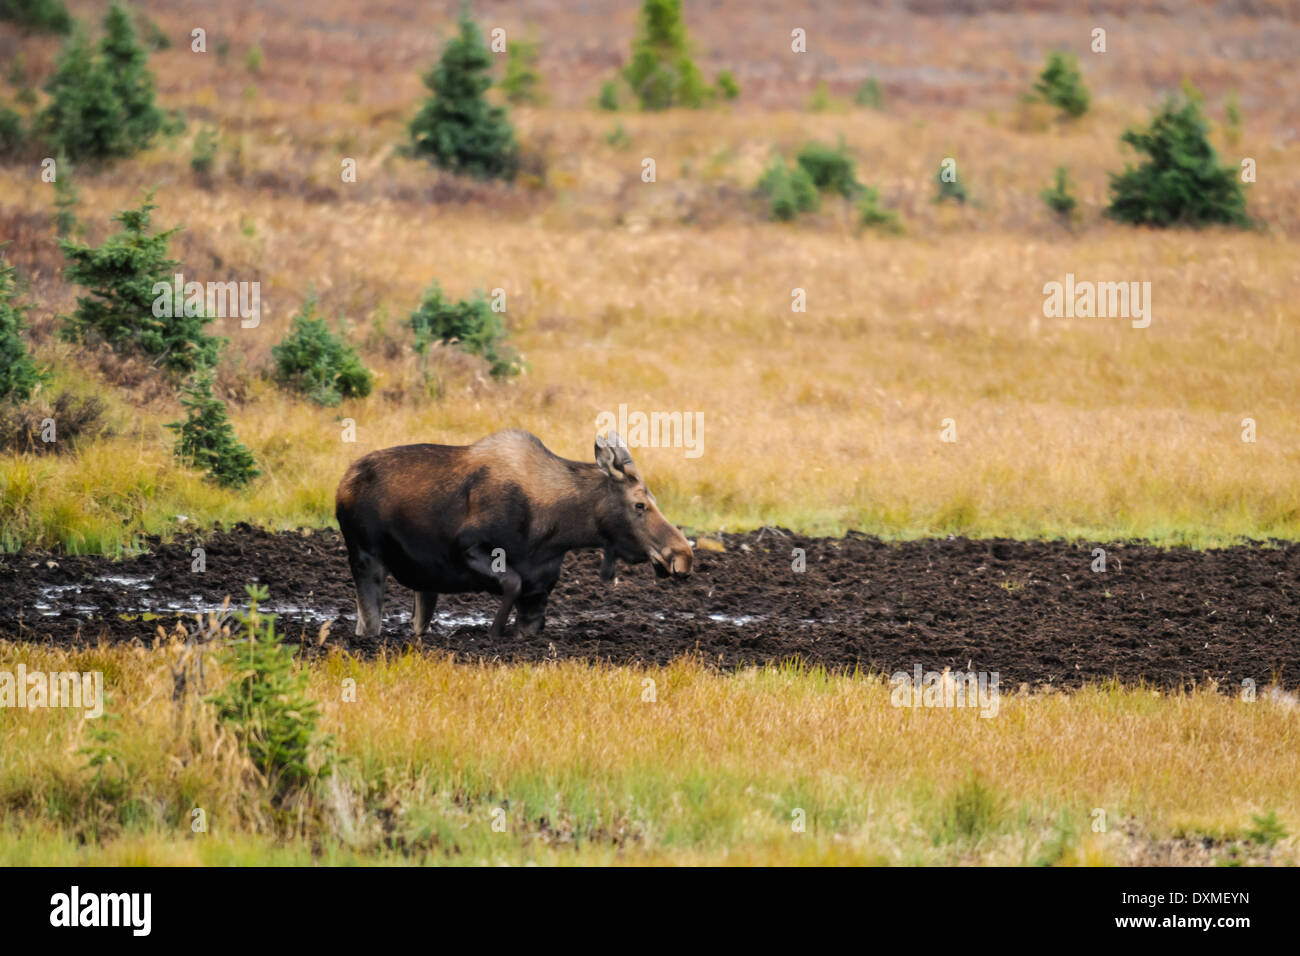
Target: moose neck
{"type": "Point", "coordinates": [578, 516]}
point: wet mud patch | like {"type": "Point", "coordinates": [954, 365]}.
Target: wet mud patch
{"type": "Point", "coordinates": [1035, 612]}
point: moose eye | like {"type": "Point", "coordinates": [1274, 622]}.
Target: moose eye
{"type": "Point", "coordinates": [640, 506]}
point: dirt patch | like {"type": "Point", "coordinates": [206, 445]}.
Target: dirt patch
{"type": "Point", "coordinates": [1034, 612]}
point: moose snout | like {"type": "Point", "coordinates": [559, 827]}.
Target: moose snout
{"type": "Point", "coordinates": [682, 562]}
{"type": "Point", "coordinates": [672, 562]}
{"type": "Point", "coordinates": [675, 561]}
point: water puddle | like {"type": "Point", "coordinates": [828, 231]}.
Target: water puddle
{"type": "Point", "coordinates": [57, 599]}
{"type": "Point", "coordinates": [740, 620]}
{"type": "Point", "coordinates": [143, 584]}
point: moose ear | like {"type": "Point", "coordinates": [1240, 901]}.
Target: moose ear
{"type": "Point", "coordinates": [606, 458]}
{"type": "Point", "coordinates": [612, 456]}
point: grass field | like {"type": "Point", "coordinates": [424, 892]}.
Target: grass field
{"type": "Point", "coordinates": [575, 764]}
{"type": "Point", "coordinates": [677, 296]}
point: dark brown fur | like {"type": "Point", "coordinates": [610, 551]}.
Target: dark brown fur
{"type": "Point", "coordinates": [497, 516]}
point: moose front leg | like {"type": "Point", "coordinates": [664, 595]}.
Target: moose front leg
{"type": "Point", "coordinates": [481, 561]}
{"type": "Point", "coordinates": [532, 613]}
{"type": "Point", "coordinates": [607, 565]}
{"type": "Point", "coordinates": [425, 604]}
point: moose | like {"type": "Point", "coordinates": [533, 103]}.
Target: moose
{"type": "Point", "coordinates": [497, 516]}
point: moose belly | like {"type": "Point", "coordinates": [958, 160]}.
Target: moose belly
{"type": "Point", "coordinates": [431, 569]}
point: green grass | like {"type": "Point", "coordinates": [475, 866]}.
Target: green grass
{"type": "Point", "coordinates": [578, 768]}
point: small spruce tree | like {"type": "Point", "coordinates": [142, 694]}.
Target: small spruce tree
{"type": "Point", "coordinates": [206, 439]}
{"type": "Point", "coordinates": [12, 133]}
{"type": "Point", "coordinates": [662, 72]}
{"type": "Point", "coordinates": [84, 117]}
{"type": "Point", "coordinates": [66, 199]}
{"type": "Point", "coordinates": [267, 705]}
{"type": "Point", "coordinates": [1232, 119]}
{"type": "Point", "coordinates": [950, 186]}
{"type": "Point", "coordinates": [820, 101]}
{"type": "Point", "coordinates": [788, 191]}
{"type": "Point", "coordinates": [470, 324]}
{"type": "Point", "coordinates": [522, 84]}
{"type": "Point", "coordinates": [313, 360]}
{"type": "Point", "coordinates": [1181, 182]}
{"type": "Point", "coordinates": [102, 98]}
{"type": "Point", "coordinates": [120, 276]}
{"type": "Point", "coordinates": [154, 35]}
{"type": "Point", "coordinates": [871, 215]}
{"type": "Point", "coordinates": [127, 66]}
{"type": "Point", "coordinates": [18, 373]}
{"type": "Point", "coordinates": [205, 153]}
{"type": "Point", "coordinates": [831, 169]}
{"type": "Point", "coordinates": [618, 138]}
{"type": "Point", "coordinates": [37, 16]}
{"type": "Point", "coordinates": [17, 77]}
{"type": "Point", "coordinates": [1061, 84]}
{"type": "Point", "coordinates": [608, 98]}
{"type": "Point", "coordinates": [457, 128]}
{"type": "Point", "coordinates": [869, 95]}
{"type": "Point", "coordinates": [727, 86]}
{"type": "Point", "coordinates": [1058, 197]}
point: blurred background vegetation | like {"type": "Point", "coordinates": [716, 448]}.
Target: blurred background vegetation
{"type": "Point", "coordinates": [351, 160]}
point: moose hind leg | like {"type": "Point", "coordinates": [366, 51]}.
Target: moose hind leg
{"type": "Point", "coordinates": [368, 573]}
{"type": "Point", "coordinates": [425, 603]}
{"type": "Point", "coordinates": [510, 588]}
{"type": "Point", "coordinates": [480, 560]}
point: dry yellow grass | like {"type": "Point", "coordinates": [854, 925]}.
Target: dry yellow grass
{"type": "Point", "coordinates": [676, 295]}
{"type": "Point", "coordinates": [585, 767]}
{"type": "Point", "coordinates": [821, 420]}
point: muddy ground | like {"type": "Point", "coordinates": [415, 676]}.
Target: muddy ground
{"type": "Point", "coordinates": [1034, 612]}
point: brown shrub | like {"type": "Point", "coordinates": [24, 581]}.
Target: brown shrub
{"type": "Point", "coordinates": [75, 419]}
{"type": "Point", "coordinates": [135, 374]}
{"type": "Point", "coordinates": [234, 379]}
